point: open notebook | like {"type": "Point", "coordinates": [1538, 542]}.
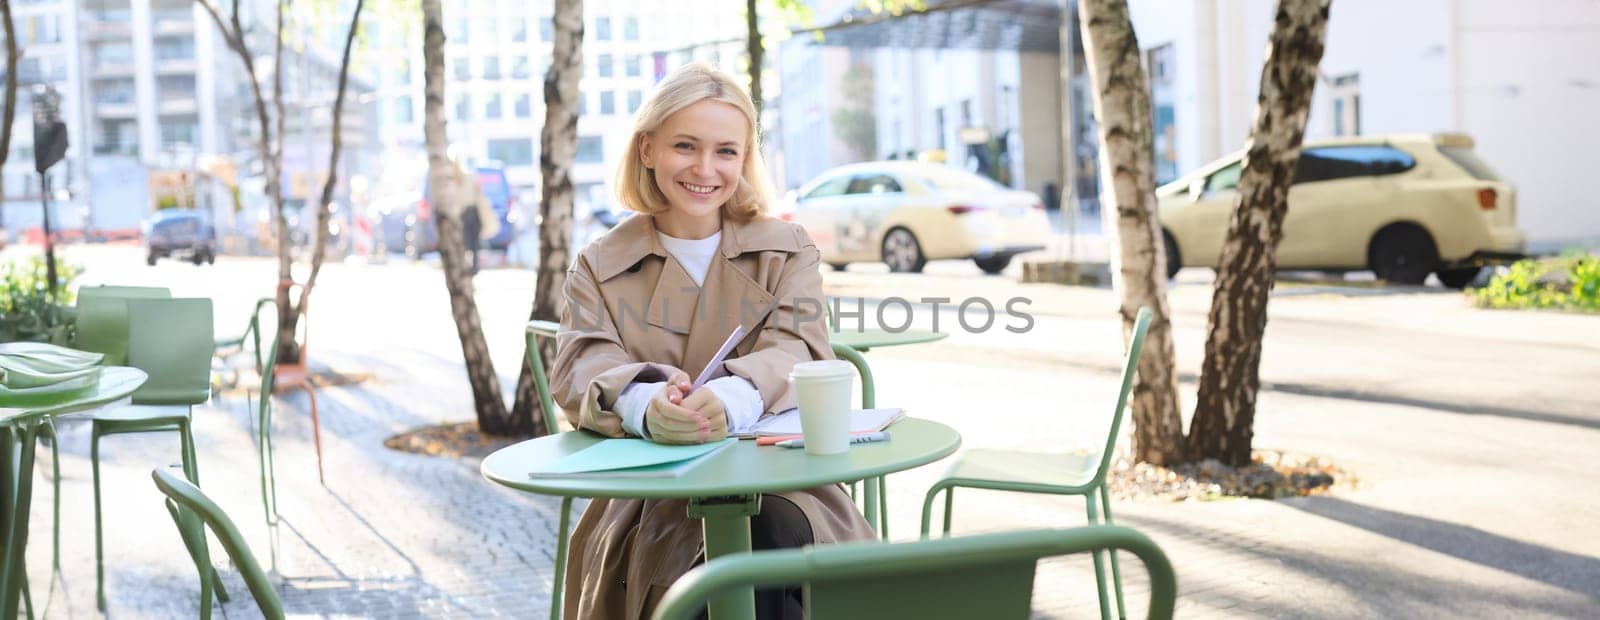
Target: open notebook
{"type": "Point", "coordinates": [788, 422]}
{"type": "Point", "coordinates": [630, 458]}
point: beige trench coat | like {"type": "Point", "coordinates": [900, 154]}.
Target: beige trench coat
{"type": "Point", "coordinates": [634, 314]}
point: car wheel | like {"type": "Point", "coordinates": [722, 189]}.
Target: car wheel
{"type": "Point", "coordinates": [198, 258]}
{"type": "Point", "coordinates": [150, 260]}
{"type": "Point", "coordinates": [1458, 278]}
{"type": "Point", "coordinates": [838, 266]}
{"type": "Point", "coordinates": [993, 265]}
{"type": "Point", "coordinates": [1174, 258]}
{"type": "Point", "coordinates": [1403, 255]}
{"type": "Point", "coordinates": [902, 252]}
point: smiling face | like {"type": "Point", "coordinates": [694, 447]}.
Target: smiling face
{"type": "Point", "coordinates": [698, 155]}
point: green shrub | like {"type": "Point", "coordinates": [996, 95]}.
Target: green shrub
{"type": "Point", "coordinates": [1570, 282]}
{"type": "Point", "coordinates": [28, 311]}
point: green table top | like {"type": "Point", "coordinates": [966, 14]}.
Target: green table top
{"type": "Point", "coordinates": [116, 383]}
{"type": "Point", "coordinates": [740, 469]}
{"type": "Point", "coordinates": [869, 338]}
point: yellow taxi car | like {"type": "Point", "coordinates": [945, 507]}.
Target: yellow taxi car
{"type": "Point", "coordinates": [906, 213]}
{"type": "Point", "coordinates": [1402, 206]}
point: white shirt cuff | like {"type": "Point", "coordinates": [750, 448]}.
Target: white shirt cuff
{"type": "Point", "coordinates": [740, 401]}
{"type": "Point", "coordinates": [633, 401]}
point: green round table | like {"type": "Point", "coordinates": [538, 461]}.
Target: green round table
{"type": "Point", "coordinates": [873, 337]}
{"type": "Point", "coordinates": [19, 434]}
{"type": "Point", "coordinates": [724, 490]}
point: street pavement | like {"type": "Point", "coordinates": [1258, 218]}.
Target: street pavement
{"type": "Point", "coordinates": [1471, 433]}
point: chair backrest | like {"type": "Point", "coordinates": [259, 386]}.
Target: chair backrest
{"type": "Point", "coordinates": [1141, 325]}
{"type": "Point", "coordinates": [171, 341]}
{"type": "Point", "coordinates": [541, 381]}
{"type": "Point", "coordinates": [187, 502]}
{"type": "Point", "coordinates": [125, 292]}
{"type": "Point", "coordinates": [984, 576]}
{"type": "Point", "coordinates": [102, 323]}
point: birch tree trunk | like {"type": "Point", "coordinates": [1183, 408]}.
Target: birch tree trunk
{"type": "Point", "coordinates": [288, 311]}
{"type": "Point", "coordinates": [271, 158]}
{"type": "Point", "coordinates": [333, 165]}
{"type": "Point", "coordinates": [1230, 375]}
{"type": "Point", "coordinates": [1122, 107]}
{"type": "Point", "coordinates": [756, 49]}
{"type": "Point", "coordinates": [558, 145]}
{"type": "Point", "coordinates": [443, 195]}
{"type": "Point", "coordinates": [13, 54]}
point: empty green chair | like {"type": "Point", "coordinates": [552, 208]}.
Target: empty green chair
{"type": "Point", "coordinates": [103, 319]}
{"type": "Point", "coordinates": [987, 576]}
{"type": "Point", "coordinates": [171, 341]}
{"type": "Point", "coordinates": [552, 423]}
{"type": "Point", "coordinates": [1049, 472]}
{"type": "Point", "coordinates": [191, 510]}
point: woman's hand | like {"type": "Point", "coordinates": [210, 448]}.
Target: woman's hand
{"type": "Point", "coordinates": [709, 406]}
{"type": "Point", "coordinates": [671, 423]}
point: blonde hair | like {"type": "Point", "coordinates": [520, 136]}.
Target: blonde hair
{"type": "Point", "coordinates": [690, 84]}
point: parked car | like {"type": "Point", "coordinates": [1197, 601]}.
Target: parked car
{"type": "Point", "coordinates": [179, 232]}
{"type": "Point", "coordinates": [908, 213]}
{"type": "Point", "coordinates": [1402, 206]}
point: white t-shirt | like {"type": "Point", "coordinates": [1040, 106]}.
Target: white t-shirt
{"type": "Point", "coordinates": [740, 399]}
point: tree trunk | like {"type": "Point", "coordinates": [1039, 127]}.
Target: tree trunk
{"type": "Point", "coordinates": [755, 49]}
{"type": "Point", "coordinates": [1122, 107]}
{"type": "Point", "coordinates": [288, 311]}
{"type": "Point", "coordinates": [233, 32]}
{"type": "Point", "coordinates": [558, 144]}
{"type": "Point", "coordinates": [333, 162]}
{"type": "Point", "coordinates": [10, 113]}
{"type": "Point", "coordinates": [443, 195]}
{"type": "Point", "coordinates": [1230, 375]}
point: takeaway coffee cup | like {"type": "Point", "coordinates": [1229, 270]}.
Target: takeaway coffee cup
{"type": "Point", "coordinates": [823, 391]}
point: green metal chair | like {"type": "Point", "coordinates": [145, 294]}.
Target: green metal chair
{"type": "Point", "coordinates": [552, 422]}
{"type": "Point", "coordinates": [1081, 473]}
{"type": "Point", "coordinates": [171, 340]}
{"type": "Point", "coordinates": [984, 576]}
{"type": "Point", "coordinates": [868, 401]}
{"type": "Point", "coordinates": [191, 510]}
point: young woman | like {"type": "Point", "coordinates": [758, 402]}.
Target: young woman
{"type": "Point", "coordinates": [648, 305]}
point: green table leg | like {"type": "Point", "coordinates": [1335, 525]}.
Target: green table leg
{"type": "Point", "coordinates": [726, 521]}
{"type": "Point", "coordinates": [16, 535]}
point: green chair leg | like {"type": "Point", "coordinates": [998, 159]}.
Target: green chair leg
{"type": "Point", "coordinates": [55, 482]}
{"type": "Point", "coordinates": [99, 544]}
{"type": "Point", "coordinates": [1116, 571]}
{"type": "Point", "coordinates": [927, 509]}
{"type": "Point", "coordinates": [883, 507]}
{"type": "Point", "coordinates": [558, 581]}
{"type": "Point", "coordinates": [949, 509]}
{"type": "Point", "coordinates": [1089, 501]}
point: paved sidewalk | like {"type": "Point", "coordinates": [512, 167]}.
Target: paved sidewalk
{"type": "Point", "coordinates": [1464, 510]}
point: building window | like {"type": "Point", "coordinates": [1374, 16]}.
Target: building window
{"type": "Point", "coordinates": [630, 29]}
{"type": "Point", "coordinates": [462, 69]}
{"type": "Point", "coordinates": [590, 150]}
{"type": "Point", "coordinates": [583, 103]}
{"type": "Point", "coordinates": [402, 109]}
{"type": "Point", "coordinates": [41, 29]}
{"type": "Point", "coordinates": [602, 29]}
{"type": "Point", "coordinates": [464, 108]}
{"type": "Point", "coordinates": [1346, 91]}
{"type": "Point", "coordinates": [608, 103]}
{"type": "Point", "coordinates": [547, 29]}
{"type": "Point", "coordinates": [524, 106]}
{"type": "Point", "coordinates": [1163, 68]}
{"type": "Point", "coordinates": [602, 63]}
{"type": "Point", "coordinates": [458, 31]}
{"type": "Point", "coordinates": [519, 30]}
{"type": "Point", "coordinates": [491, 109]}
{"type": "Point", "coordinates": [512, 152]}
{"type": "Point", "coordinates": [491, 68]}
{"type": "Point", "coordinates": [519, 67]}
{"type": "Point", "coordinates": [632, 65]}
{"type": "Point", "coordinates": [174, 49]}
{"type": "Point", "coordinates": [634, 99]}
{"type": "Point", "coordinates": [177, 133]}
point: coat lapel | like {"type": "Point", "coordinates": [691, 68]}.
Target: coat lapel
{"type": "Point", "coordinates": [730, 299]}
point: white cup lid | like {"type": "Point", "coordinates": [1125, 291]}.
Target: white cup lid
{"type": "Point", "coordinates": [821, 369]}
